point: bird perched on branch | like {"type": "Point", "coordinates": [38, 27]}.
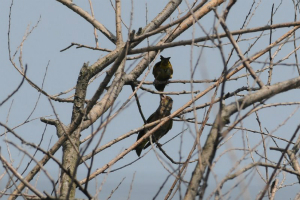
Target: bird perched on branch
{"type": "Point", "coordinates": [162, 111]}
{"type": "Point", "coordinates": [162, 72]}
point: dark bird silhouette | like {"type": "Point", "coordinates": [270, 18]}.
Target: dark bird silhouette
{"type": "Point", "coordinates": [162, 111]}
{"type": "Point", "coordinates": [162, 72]}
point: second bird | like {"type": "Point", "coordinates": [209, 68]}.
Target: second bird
{"type": "Point", "coordinates": [162, 72]}
{"type": "Point", "coordinates": [162, 111]}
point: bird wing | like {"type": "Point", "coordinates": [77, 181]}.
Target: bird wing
{"type": "Point", "coordinates": [171, 69]}
{"type": "Point", "coordinates": [168, 128]}
{"type": "Point", "coordinates": [149, 120]}
{"type": "Point", "coordinates": [161, 135]}
{"type": "Point", "coordinates": [156, 70]}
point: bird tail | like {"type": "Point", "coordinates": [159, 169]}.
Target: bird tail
{"type": "Point", "coordinates": [160, 86]}
{"type": "Point", "coordinates": [139, 150]}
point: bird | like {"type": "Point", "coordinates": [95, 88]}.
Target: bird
{"type": "Point", "coordinates": [162, 111]}
{"type": "Point", "coordinates": [162, 72]}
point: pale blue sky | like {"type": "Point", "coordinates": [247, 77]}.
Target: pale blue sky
{"type": "Point", "coordinates": [59, 26]}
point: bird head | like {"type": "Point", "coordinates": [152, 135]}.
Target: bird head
{"type": "Point", "coordinates": [164, 61]}
{"type": "Point", "coordinates": [166, 104]}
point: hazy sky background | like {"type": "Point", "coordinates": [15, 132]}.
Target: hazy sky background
{"type": "Point", "coordinates": [59, 27]}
